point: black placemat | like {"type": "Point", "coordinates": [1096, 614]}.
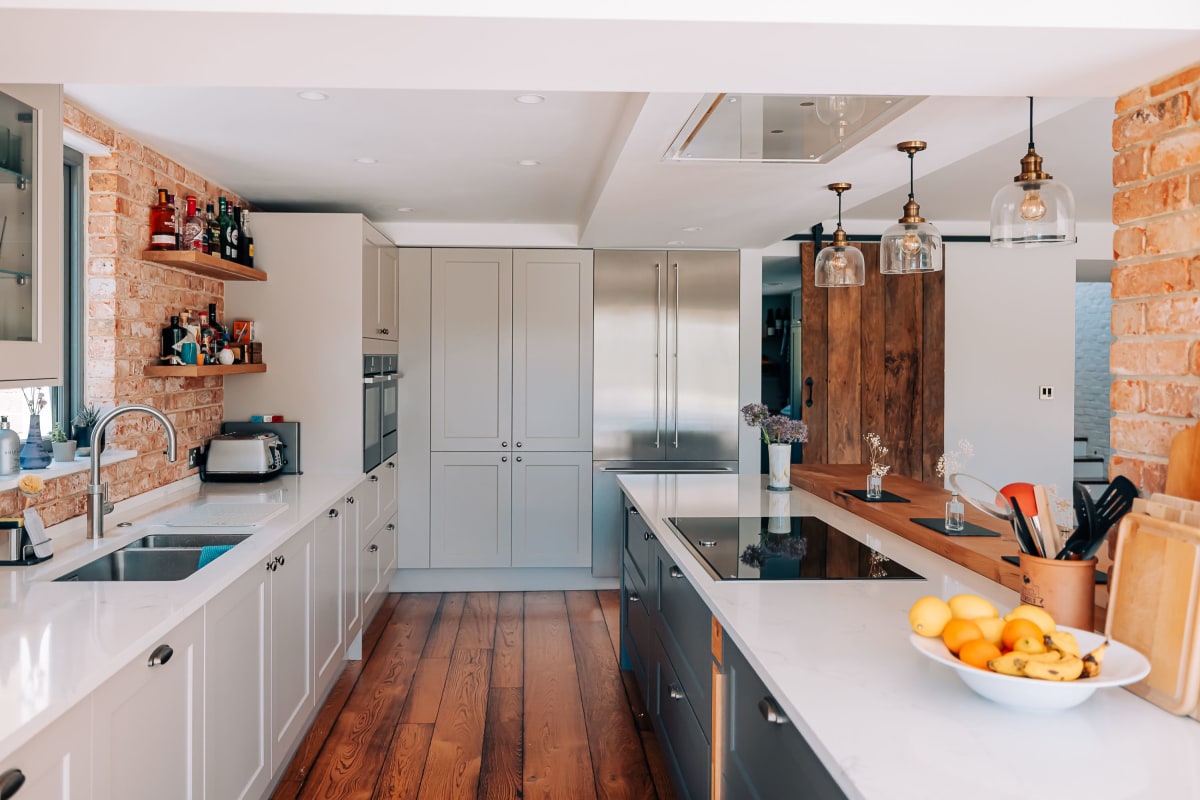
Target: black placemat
{"type": "Point", "coordinates": [1101, 577]}
{"type": "Point", "coordinates": [938, 524]}
{"type": "Point", "coordinates": [887, 497]}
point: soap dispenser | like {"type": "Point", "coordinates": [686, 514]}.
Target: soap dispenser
{"type": "Point", "coordinates": [10, 449]}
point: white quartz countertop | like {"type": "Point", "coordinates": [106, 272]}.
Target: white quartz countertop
{"type": "Point", "coordinates": [888, 723]}
{"type": "Point", "coordinates": [60, 641]}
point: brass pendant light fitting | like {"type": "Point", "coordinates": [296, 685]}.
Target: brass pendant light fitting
{"type": "Point", "coordinates": [1031, 163]}
{"type": "Point", "coordinates": [912, 211]}
{"type": "Point", "coordinates": [839, 235]}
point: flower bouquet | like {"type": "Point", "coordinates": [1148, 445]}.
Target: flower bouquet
{"type": "Point", "coordinates": [778, 433]}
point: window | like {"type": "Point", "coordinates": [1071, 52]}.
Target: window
{"type": "Point", "coordinates": [61, 401]}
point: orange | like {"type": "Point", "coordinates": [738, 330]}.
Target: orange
{"type": "Point", "coordinates": [1019, 628]}
{"type": "Point", "coordinates": [958, 632]}
{"type": "Point", "coordinates": [978, 652]}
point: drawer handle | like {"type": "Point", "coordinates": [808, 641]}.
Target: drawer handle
{"type": "Point", "coordinates": [504, 459]}
{"type": "Point", "coordinates": [160, 655]}
{"type": "Point", "coordinates": [281, 560]}
{"type": "Point", "coordinates": [272, 566]}
{"type": "Point", "coordinates": [333, 513]}
{"type": "Point", "coordinates": [706, 542]}
{"type": "Point", "coordinates": [518, 444]}
{"type": "Point", "coordinates": [391, 527]}
{"type": "Point", "coordinates": [634, 511]}
{"type": "Point", "coordinates": [676, 691]}
{"type": "Point", "coordinates": [384, 331]}
{"type": "Point", "coordinates": [519, 458]}
{"type": "Point", "coordinates": [633, 598]}
{"type": "Point", "coordinates": [374, 479]}
{"type": "Point", "coordinates": [676, 572]}
{"type": "Point", "coordinates": [504, 444]}
{"type": "Point", "coordinates": [350, 501]}
{"type": "Point", "coordinates": [373, 548]}
{"type": "Point", "coordinates": [391, 465]}
{"type": "Point", "coordinates": [771, 711]}
{"type": "Point", "coordinates": [10, 782]}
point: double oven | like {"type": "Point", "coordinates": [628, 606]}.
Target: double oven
{"type": "Point", "coordinates": [380, 400]}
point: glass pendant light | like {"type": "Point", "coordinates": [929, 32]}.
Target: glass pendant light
{"type": "Point", "coordinates": [912, 245]}
{"type": "Point", "coordinates": [839, 264]}
{"type": "Point", "coordinates": [1034, 209]}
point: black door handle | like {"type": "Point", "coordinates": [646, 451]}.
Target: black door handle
{"type": "Point", "coordinates": [809, 383]}
{"type": "Point", "coordinates": [10, 782]}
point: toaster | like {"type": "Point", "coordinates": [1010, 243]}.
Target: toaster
{"type": "Point", "coordinates": [243, 457]}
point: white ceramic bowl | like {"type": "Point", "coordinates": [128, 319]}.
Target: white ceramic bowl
{"type": "Point", "coordinates": [1122, 664]}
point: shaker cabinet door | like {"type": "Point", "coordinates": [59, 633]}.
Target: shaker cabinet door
{"type": "Point", "coordinates": [57, 763]}
{"type": "Point", "coordinates": [552, 510]}
{"type": "Point", "coordinates": [328, 573]}
{"type": "Point", "coordinates": [471, 510]}
{"type": "Point", "coordinates": [471, 350]}
{"type": "Point", "coordinates": [291, 604]}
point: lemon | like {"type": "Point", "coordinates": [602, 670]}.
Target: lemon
{"type": "Point", "coordinates": [971, 606]}
{"type": "Point", "coordinates": [929, 615]}
{"type": "Point", "coordinates": [1038, 616]}
{"type": "Point", "coordinates": [992, 628]}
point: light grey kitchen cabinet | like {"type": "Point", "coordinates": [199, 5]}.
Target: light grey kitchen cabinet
{"type": "Point", "coordinates": [470, 510]}
{"type": "Point", "coordinates": [147, 722]}
{"type": "Point", "coordinates": [551, 509]}
{"type": "Point", "coordinates": [377, 562]}
{"type": "Point", "coordinates": [329, 644]}
{"type": "Point", "coordinates": [57, 764]}
{"type": "Point", "coordinates": [380, 294]}
{"type": "Point", "coordinates": [291, 659]}
{"type": "Point", "coordinates": [351, 592]}
{"type": "Point", "coordinates": [471, 350]}
{"type": "Point", "coordinates": [765, 756]}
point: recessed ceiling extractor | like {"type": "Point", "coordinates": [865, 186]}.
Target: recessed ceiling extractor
{"type": "Point", "coordinates": [782, 128]}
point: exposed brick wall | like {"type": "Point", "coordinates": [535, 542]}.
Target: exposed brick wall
{"type": "Point", "coordinates": [1155, 358]}
{"type": "Point", "coordinates": [129, 302]}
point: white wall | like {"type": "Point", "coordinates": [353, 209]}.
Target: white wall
{"type": "Point", "coordinates": [1093, 381]}
{"type": "Point", "coordinates": [1010, 328]}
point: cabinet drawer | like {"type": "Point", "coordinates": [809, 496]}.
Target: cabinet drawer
{"type": "Point", "coordinates": [684, 743]}
{"type": "Point", "coordinates": [639, 543]}
{"type": "Point", "coordinates": [684, 624]}
{"type": "Point", "coordinates": [638, 638]}
{"type": "Point", "coordinates": [768, 759]}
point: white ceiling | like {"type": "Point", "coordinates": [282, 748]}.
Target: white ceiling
{"type": "Point", "coordinates": [429, 94]}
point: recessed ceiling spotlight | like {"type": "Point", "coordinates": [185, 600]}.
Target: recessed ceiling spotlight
{"type": "Point", "coordinates": [529, 162]}
{"type": "Point", "coordinates": [366, 160]}
{"type": "Point", "coordinates": [675, 241]}
{"type": "Point", "coordinates": [693, 228]}
{"type": "Point", "coordinates": [313, 95]}
{"type": "Point", "coordinates": [777, 130]}
{"type": "Point", "coordinates": [404, 209]}
{"type": "Point", "coordinates": [530, 99]}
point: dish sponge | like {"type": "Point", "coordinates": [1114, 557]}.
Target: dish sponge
{"type": "Point", "coordinates": [211, 551]}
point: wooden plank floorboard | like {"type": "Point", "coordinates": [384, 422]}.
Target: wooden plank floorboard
{"type": "Point", "coordinates": [658, 766]}
{"type": "Point", "coordinates": [456, 751]}
{"type": "Point", "coordinates": [363, 732]}
{"type": "Point", "coordinates": [445, 629]}
{"type": "Point", "coordinates": [404, 766]}
{"type": "Point", "coordinates": [421, 707]}
{"type": "Point", "coordinates": [557, 763]}
{"type": "Point", "coordinates": [500, 775]}
{"type": "Point", "coordinates": [508, 664]}
{"type": "Point", "coordinates": [610, 604]}
{"type": "Point", "coordinates": [318, 733]}
{"type": "Point", "coordinates": [617, 757]}
{"type": "Point", "coordinates": [477, 631]}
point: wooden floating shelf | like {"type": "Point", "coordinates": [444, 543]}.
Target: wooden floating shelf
{"type": "Point", "coordinates": [199, 371]}
{"type": "Point", "coordinates": [204, 264]}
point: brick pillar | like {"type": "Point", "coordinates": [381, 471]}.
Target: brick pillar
{"type": "Point", "coordinates": [1156, 284]}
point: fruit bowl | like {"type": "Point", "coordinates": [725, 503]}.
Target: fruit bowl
{"type": "Point", "coordinates": [1122, 665]}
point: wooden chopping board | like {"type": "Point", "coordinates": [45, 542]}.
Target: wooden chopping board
{"type": "Point", "coordinates": [1183, 466]}
{"type": "Point", "coordinates": [1153, 604]}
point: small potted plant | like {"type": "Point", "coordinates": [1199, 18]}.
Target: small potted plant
{"type": "Point", "coordinates": [64, 448]}
{"type": "Point", "coordinates": [877, 450]}
{"type": "Point", "coordinates": [778, 432]}
{"type": "Point", "coordinates": [85, 420]}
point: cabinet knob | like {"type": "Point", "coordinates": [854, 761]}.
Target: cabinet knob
{"type": "Point", "coordinates": [518, 444]}
{"type": "Point", "coordinates": [281, 560]}
{"type": "Point", "coordinates": [676, 572]}
{"type": "Point", "coordinates": [504, 459]}
{"type": "Point", "coordinates": [633, 598]}
{"type": "Point", "coordinates": [504, 444]}
{"type": "Point", "coordinates": [519, 458]}
{"type": "Point", "coordinates": [333, 513]}
{"type": "Point", "coordinates": [384, 331]}
{"type": "Point", "coordinates": [374, 479]}
{"type": "Point", "coordinates": [391, 465]}
{"type": "Point", "coordinates": [373, 548]}
{"type": "Point", "coordinates": [646, 536]}
{"type": "Point", "coordinates": [391, 527]}
{"type": "Point", "coordinates": [11, 780]}
{"type": "Point", "coordinates": [160, 655]}
{"type": "Point", "coordinates": [635, 512]}
{"type": "Point", "coordinates": [676, 691]}
{"type": "Point", "coordinates": [272, 566]}
{"type": "Point", "coordinates": [350, 501]}
{"type": "Point", "coordinates": [771, 711]}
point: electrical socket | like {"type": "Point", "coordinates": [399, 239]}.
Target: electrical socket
{"type": "Point", "coordinates": [1046, 392]}
{"type": "Point", "coordinates": [193, 457]}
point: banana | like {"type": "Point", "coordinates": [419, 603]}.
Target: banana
{"type": "Point", "coordinates": [1062, 641]}
{"type": "Point", "coordinates": [1093, 660]}
{"type": "Point", "coordinates": [1050, 657]}
{"type": "Point", "coordinates": [1008, 664]}
{"type": "Point", "coordinates": [1066, 670]}
{"type": "Point", "coordinates": [1029, 644]}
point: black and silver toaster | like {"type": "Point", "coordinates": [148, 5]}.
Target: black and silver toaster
{"type": "Point", "coordinates": [243, 457]}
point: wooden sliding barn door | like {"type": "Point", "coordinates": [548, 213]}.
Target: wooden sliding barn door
{"type": "Point", "coordinates": [873, 360]}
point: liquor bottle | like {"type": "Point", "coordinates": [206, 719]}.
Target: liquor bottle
{"type": "Point", "coordinates": [217, 333]}
{"type": "Point", "coordinates": [228, 246]}
{"type": "Point", "coordinates": [236, 213]}
{"type": "Point", "coordinates": [178, 222]}
{"type": "Point", "coordinates": [172, 335]}
{"type": "Point", "coordinates": [193, 227]}
{"type": "Point", "coordinates": [214, 231]}
{"type": "Point", "coordinates": [205, 344]}
{"type": "Point", "coordinates": [247, 239]}
{"type": "Point", "coordinates": [162, 223]}
{"type": "Point", "coordinates": [235, 236]}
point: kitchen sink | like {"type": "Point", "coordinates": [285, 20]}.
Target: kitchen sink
{"type": "Point", "coordinates": [157, 540]}
{"type": "Point", "coordinates": [139, 564]}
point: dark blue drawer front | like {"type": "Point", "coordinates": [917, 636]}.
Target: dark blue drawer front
{"type": "Point", "coordinates": [639, 543]}
{"type": "Point", "coordinates": [683, 741]}
{"type": "Point", "coordinates": [685, 627]}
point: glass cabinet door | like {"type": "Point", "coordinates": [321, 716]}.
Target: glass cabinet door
{"type": "Point", "coordinates": [31, 234]}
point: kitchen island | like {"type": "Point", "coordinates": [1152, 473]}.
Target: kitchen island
{"type": "Point", "coordinates": [885, 722]}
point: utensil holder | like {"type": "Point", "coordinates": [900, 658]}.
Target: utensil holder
{"type": "Point", "coordinates": [1066, 589]}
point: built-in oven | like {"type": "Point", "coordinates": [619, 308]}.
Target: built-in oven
{"type": "Point", "coordinates": [380, 409]}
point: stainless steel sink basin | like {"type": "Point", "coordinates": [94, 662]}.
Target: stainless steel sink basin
{"type": "Point", "coordinates": [156, 540]}
{"type": "Point", "coordinates": [137, 564]}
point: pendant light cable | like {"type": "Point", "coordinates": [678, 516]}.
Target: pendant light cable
{"type": "Point", "coordinates": [1031, 147]}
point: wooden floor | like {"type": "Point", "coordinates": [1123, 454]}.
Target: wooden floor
{"type": "Point", "coordinates": [483, 695]}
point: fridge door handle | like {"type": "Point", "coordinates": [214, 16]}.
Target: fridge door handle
{"type": "Point", "coordinates": [675, 357]}
{"type": "Point", "coordinates": [657, 334]}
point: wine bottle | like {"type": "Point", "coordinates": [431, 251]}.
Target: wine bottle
{"type": "Point", "coordinates": [162, 223]}
{"type": "Point", "coordinates": [213, 233]}
{"type": "Point", "coordinates": [228, 248]}
{"type": "Point", "coordinates": [178, 222]}
{"type": "Point", "coordinates": [235, 236]}
{"type": "Point", "coordinates": [172, 335]}
{"type": "Point", "coordinates": [247, 239]}
{"type": "Point", "coordinates": [215, 330]}
{"type": "Point", "coordinates": [193, 227]}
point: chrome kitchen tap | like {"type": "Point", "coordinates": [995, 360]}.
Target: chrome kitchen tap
{"type": "Point", "coordinates": [97, 503]}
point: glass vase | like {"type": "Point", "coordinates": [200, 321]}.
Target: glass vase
{"type": "Point", "coordinates": [874, 486]}
{"type": "Point", "coordinates": [955, 513]}
{"type": "Point", "coordinates": [779, 459]}
{"type": "Point", "coordinates": [33, 453]}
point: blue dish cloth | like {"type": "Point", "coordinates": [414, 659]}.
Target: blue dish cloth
{"type": "Point", "coordinates": [209, 552]}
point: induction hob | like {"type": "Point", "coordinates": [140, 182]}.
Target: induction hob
{"type": "Point", "coordinates": [783, 548]}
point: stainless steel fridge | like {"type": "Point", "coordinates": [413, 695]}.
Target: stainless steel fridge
{"type": "Point", "coordinates": [666, 375]}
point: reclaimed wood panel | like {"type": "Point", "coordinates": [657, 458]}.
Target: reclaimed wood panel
{"type": "Point", "coordinates": [477, 630]}
{"type": "Point", "coordinates": [500, 776]}
{"type": "Point", "coordinates": [557, 760]}
{"type": "Point", "coordinates": [844, 364]}
{"type": "Point", "coordinates": [814, 359]}
{"type": "Point", "coordinates": [902, 379]}
{"type": "Point", "coordinates": [508, 665]}
{"type": "Point", "coordinates": [456, 750]}
{"type": "Point", "coordinates": [425, 696]}
{"type": "Point", "coordinates": [871, 338]}
{"type": "Point", "coordinates": [445, 629]}
{"type": "Point", "coordinates": [933, 373]}
{"type": "Point", "coordinates": [404, 766]}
